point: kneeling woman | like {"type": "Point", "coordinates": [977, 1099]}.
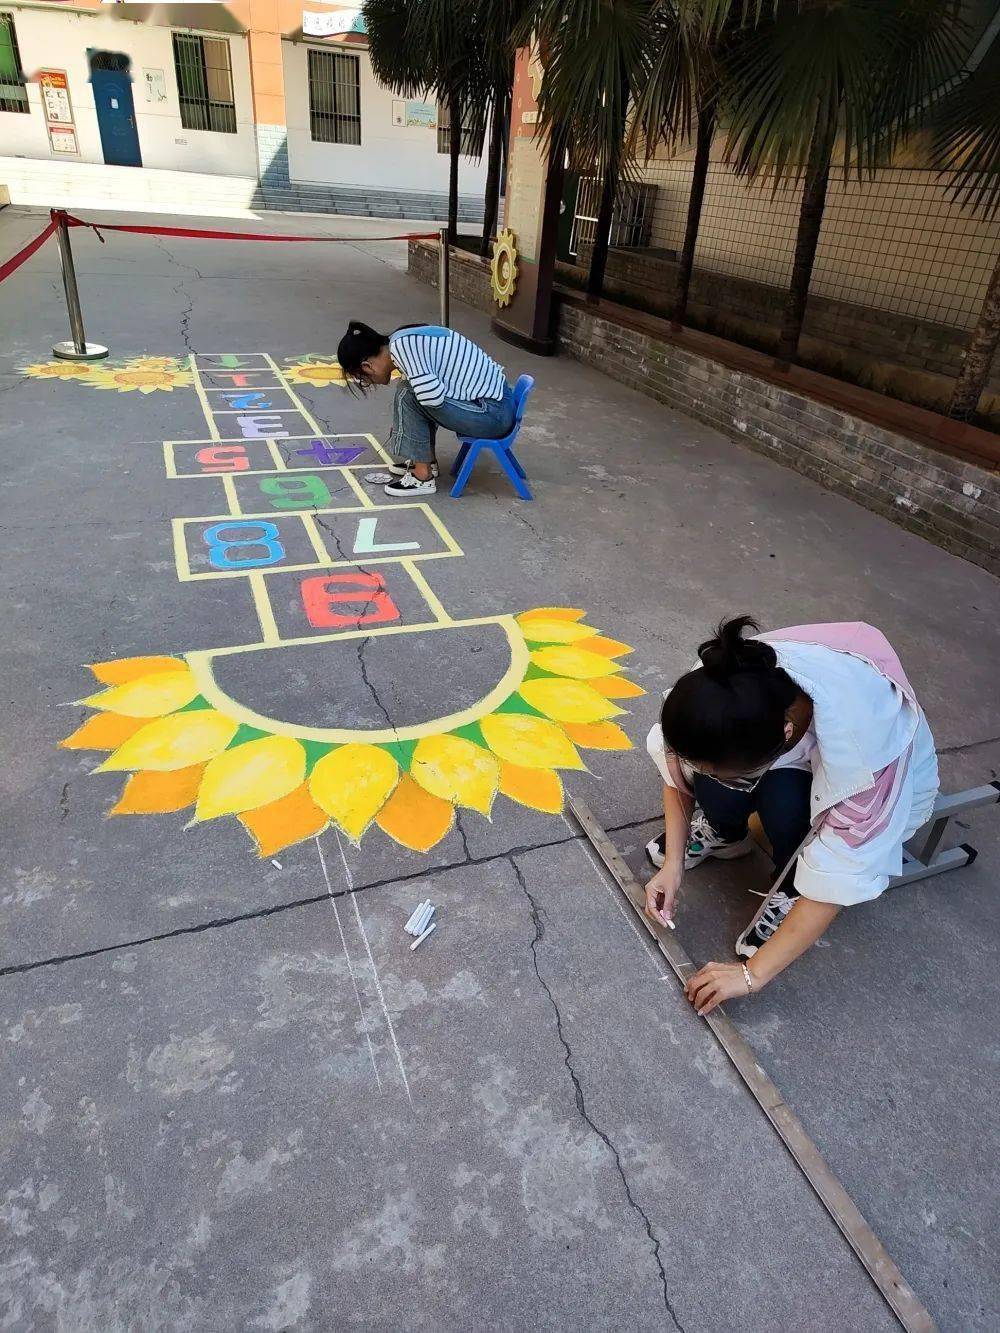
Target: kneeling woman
{"type": "Point", "coordinates": [447, 381]}
{"type": "Point", "coordinates": [818, 731]}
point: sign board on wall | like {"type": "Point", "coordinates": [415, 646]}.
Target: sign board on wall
{"type": "Point", "coordinates": [330, 25]}
{"type": "Point", "coordinates": [424, 114]}
{"type": "Point", "coordinates": [58, 110]}
{"type": "Point", "coordinates": [155, 85]}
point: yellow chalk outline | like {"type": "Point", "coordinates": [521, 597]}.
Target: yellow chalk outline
{"type": "Point", "coordinates": [200, 663]}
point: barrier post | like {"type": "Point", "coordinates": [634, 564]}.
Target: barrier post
{"type": "Point", "coordinates": [77, 348]}
{"type": "Point", "coordinates": [444, 277]}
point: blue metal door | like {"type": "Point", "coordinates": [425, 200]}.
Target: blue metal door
{"type": "Point", "coordinates": [116, 117]}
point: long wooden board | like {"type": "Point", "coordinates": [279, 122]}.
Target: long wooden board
{"type": "Point", "coordinates": [838, 1203]}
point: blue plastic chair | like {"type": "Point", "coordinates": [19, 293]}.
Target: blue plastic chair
{"type": "Point", "coordinates": [504, 449]}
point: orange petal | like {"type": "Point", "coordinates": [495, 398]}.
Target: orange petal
{"type": "Point", "coordinates": [597, 735]}
{"type": "Point", "coordinates": [103, 731]}
{"type": "Point", "coordinates": [537, 788]}
{"type": "Point", "coordinates": [117, 672]}
{"type": "Point", "coordinates": [616, 687]}
{"type": "Point", "coordinates": [415, 818]}
{"type": "Point", "coordinates": [605, 647]}
{"type": "Point", "coordinates": [152, 793]}
{"type": "Point", "coordinates": [288, 820]}
{"type": "Point", "coordinates": [552, 613]}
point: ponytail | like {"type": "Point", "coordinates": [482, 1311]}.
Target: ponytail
{"type": "Point", "coordinates": [730, 711]}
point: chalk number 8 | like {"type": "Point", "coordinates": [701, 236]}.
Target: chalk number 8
{"type": "Point", "coordinates": [219, 542]}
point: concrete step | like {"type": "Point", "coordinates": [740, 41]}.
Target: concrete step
{"type": "Point", "coordinates": [81, 185]}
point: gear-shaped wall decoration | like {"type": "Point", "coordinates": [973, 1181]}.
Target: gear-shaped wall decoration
{"type": "Point", "coordinates": [503, 270]}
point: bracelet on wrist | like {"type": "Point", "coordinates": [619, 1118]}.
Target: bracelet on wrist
{"type": "Point", "coordinates": [747, 977]}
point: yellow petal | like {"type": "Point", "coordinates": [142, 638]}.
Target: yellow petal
{"type": "Point", "coordinates": [251, 775]}
{"type": "Point", "coordinates": [414, 818]}
{"type": "Point", "coordinates": [159, 793]}
{"type": "Point", "coordinates": [530, 742]}
{"type": "Point", "coordinates": [538, 788]}
{"type": "Point", "coordinates": [288, 820]}
{"type": "Point", "coordinates": [597, 735]}
{"type": "Point", "coordinates": [352, 784]}
{"type": "Point", "coordinates": [551, 613]}
{"type": "Point", "coordinates": [568, 700]}
{"type": "Point", "coordinates": [118, 672]}
{"type": "Point", "coordinates": [553, 631]}
{"type": "Point", "coordinates": [173, 742]}
{"type": "Point", "coordinates": [103, 731]}
{"type": "Point", "coordinates": [617, 687]}
{"type": "Point", "coordinates": [149, 696]}
{"type": "Point", "coordinates": [565, 660]}
{"type": "Point", "coordinates": [456, 770]}
{"type": "Point", "coordinates": [605, 647]}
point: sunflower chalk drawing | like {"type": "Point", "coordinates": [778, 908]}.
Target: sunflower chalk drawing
{"type": "Point", "coordinates": [142, 374]}
{"type": "Point", "coordinates": [189, 734]}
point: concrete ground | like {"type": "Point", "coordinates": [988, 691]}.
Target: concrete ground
{"type": "Point", "coordinates": [233, 1098]}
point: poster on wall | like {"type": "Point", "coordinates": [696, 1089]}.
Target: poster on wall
{"type": "Point", "coordinates": [58, 111]}
{"type": "Point", "coordinates": [423, 114]}
{"type": "Point", "coordinates": [155, 84]}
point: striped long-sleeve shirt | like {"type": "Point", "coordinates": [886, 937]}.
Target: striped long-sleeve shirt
{"type": "Point", "coordinates": [440, 363]}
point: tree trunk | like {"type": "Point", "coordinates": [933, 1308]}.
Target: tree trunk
{"type": "Point", "coordinates": [602, 236]}
{"type": "Point", "coordinates": [699, 176]}
{"type": "Point", "coordinates": [979, 354]}
{"type": "Point", "coordinates": [454, 150]}
{"type": "Point", "coordinates": [494, 167]}
{"type": "Point", "coordinates": [806, 240]}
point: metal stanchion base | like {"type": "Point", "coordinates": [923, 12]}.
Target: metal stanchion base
{"type": "Point", "coordinates": [67, 351]}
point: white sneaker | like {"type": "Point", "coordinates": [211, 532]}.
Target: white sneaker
{"type": "Point", "coordinates": [766, 921]}
{"type": "Point", "coordinates": [398, 466]}
{"type": "Point", "coordinates": [703, 842]}
{"type": "Point", "coordinates": [408, 485]}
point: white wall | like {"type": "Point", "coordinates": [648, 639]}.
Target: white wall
{"type": "Point", "coordinates": [56, 39]}
{"type": "Point", "coordinates": [389, 157]}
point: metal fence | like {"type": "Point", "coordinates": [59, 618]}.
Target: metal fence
{"type": "Point", "coordinates": [895, 243]}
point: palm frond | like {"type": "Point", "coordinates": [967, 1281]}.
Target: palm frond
{"type": "Point", "coordinates": [966, 139]}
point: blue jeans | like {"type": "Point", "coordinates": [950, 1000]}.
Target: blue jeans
{"type": "Point", "coordinates": [781, 800]}
{"type": "Point", "coordinates": [414, 426]}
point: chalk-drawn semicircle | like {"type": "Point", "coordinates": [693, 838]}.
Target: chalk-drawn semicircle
{"type": "Point", "coordinates": [201, 661]}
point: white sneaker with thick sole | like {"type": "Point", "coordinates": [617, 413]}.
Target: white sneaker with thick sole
{"type": "Point", "coordinates": [408, 485]}
{"type": "Point", "coordinates": [765, 922]}
{"type": "Point", "coordinates": [703, 842]}
{"type": "Point", "coordinates": [399, 466]}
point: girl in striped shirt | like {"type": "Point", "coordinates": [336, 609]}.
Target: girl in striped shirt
{"type": "Point", "coordinates": [447, 381]}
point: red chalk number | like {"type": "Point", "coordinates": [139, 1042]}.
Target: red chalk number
{"type": "Point", "coordinates": [367, 591]}
{"type": "Point", "coordinates": [223, 458]}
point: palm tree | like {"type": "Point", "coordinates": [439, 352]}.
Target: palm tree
{"type": "Point", "coordinates": [967, 142]}
{"type": "Point", "coordinates": [858, 73]}
{"type": "Point", "coordinates": [596, 53]}
{"type": "Point", "coordinates": [432, 46]}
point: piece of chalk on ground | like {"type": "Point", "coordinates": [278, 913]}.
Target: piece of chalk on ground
{"type": "Point", "coordinates": [420, 938]}
{"type": "Point", "coordinates": [415, 917]}
{"type": "Point", "coordinates": [275, 863]}
{"type": "Point", "coordinates": [419, 919]}
{"type": "Point", "coordinates": [423, 921]}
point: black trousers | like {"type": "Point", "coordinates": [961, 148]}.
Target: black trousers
{"type": "Point", "coordinates": [781, 801]}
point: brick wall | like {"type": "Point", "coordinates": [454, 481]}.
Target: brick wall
{"type": "Point", "coordinates": [952, 503]}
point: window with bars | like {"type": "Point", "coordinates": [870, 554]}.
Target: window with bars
{"type": "Point", "coordinates": [472, 142]}
{"type": "Point", "coordinates": [204, 83]}
{"type": "Point", "coordinates": [334, 97]}
{"type": "Point", "coordinates": [13, 93]}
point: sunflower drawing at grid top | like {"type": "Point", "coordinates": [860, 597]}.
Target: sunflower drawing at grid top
{"type": "Point", "coordinates": [267, 731]}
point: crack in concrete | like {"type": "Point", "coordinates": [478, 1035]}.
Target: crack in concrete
{"type": "Point", "coordinates": [969, 745]}
{"type": "Point", "coordinates": [64, 802]}
{"type": "Point", "coordinates": [275, 909]}
{"type": "Point", "coordinates": [581, 1104]}
{"type": "Point", "coordinates": [180, 289]}
{"type": "Point", "coordinates": [460, 827]}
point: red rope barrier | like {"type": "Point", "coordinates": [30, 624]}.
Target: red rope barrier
{"type": "Point", "coordinates": [22, 256]}
{"type": "Point", "coordinates": [98, 227]}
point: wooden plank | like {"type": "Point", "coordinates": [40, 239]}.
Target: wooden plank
{"type": "Point", "coordinates": [866, 1245]}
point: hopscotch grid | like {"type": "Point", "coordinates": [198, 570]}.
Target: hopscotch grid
{"type": "Point", "coordinates": [202, 399]}
{"type": "Point", "coordinates": [350, 965]}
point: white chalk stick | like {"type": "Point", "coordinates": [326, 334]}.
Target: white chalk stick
{"type": "Point", "coordinates": [420, 938]}
{"type": "Point", "coordinates": [415, 917]}
{"type": "Point", "coordinates": [423, 920]}
{"type": "Point", "coordinates": [275, 863]}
